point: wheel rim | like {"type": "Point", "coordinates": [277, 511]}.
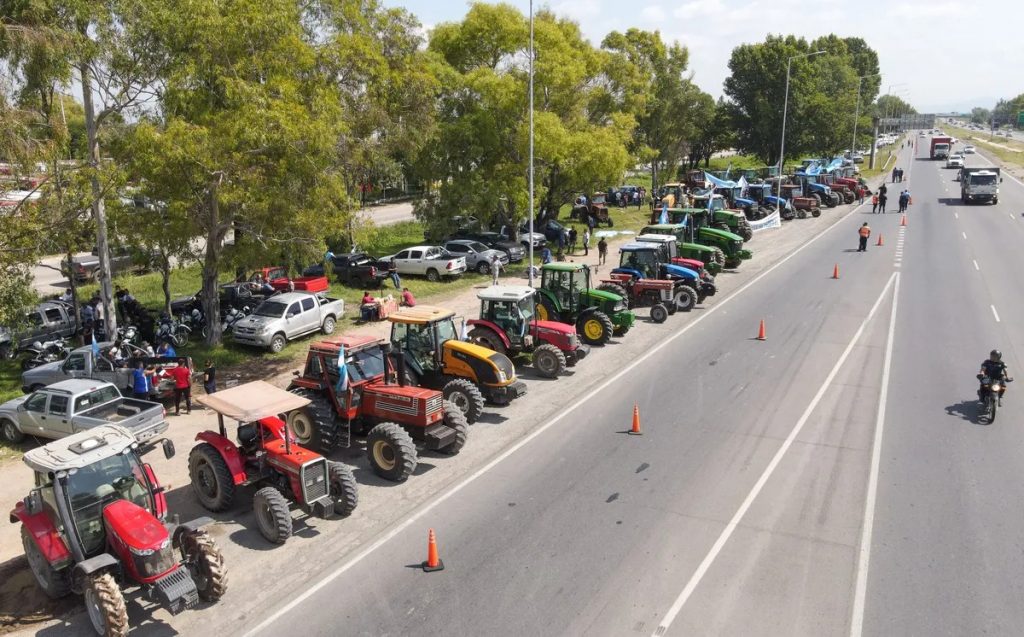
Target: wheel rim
{"type": "Point", "coordinates": [384, 455]}
{"type": "Point", "coordinates": [484, 268]}
{"type": "Point", "coordinates": [302, 427]}
{"type": "Point", "coordinates": [593, 329]}
{"type": "Point", "coordinates": [329, 325]}
{"type": "Point", "coordinates": [460, 400]}
{"type": "Point", "coordinates": [546, 362]}
{"type": "Point", "coordinates": [264, 517]}
{"type": "Point", "coordinates": [95, 614]}
{"type": "Point", "coordinates": [9, 431]}
{"type": "Point", "coordinates": [542, 312]}
{"type": "Point", "coordinates": [206, 480]}
{"type": "Point", "coordinates": [277, 344]}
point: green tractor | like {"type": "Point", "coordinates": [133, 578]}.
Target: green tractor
{"type": "Point", "coordinates": [712, 257]}
{"type": "Point", "coordinates": [701, 231]}
{"type": "Point", "coordinates": [565, 296]}
{"type": "Point", "coordinates": [729, 220]}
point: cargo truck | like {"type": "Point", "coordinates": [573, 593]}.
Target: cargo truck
{"type": "Point", "coordinates": [979, 183]}
{"type": "Point", "coordinates": [941, 146]}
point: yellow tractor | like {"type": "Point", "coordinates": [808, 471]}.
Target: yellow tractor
{"type": "Point", "coordinates": [436, 357]}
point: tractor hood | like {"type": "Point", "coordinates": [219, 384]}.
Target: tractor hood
{"type": "Point", "coordinates": [680, 272]}
{"type": "Point", "coordinates": [721, 234]}
{"type": "Point", "coordinates": [601, 295]}
{"type": "Point", "coordinates": [699, 248]}
{"type": "Point", "coordinates": [744, 202]}
{"type": "Point", "coordinates": [135, 526]}
{"type": "Point", "coordinates": [553, 326]}
{"type": "Point", "coordinates": [692, 264]}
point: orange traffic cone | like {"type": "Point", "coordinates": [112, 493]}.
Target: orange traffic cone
{"type": "Point", "coordinates": [761, 335]}
{"type": "Point", "coordinates": [635, 431]}
{"type": "Point", "coordinates": [835, 272]}
{"type": "Point", "coordinates": [880, 242]}
{"type": "Point", "coordinates": [433, 562]}
{"type": "Point", "coordinates": [903, 221]}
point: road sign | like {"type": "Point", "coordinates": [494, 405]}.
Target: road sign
{"type": "Point", "coordinates": [1020, 119]}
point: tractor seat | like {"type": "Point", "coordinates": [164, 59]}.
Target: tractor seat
{"type": "Point", "coordinates": [247, 435]}
{"type": "Point", "coordinates": [103, 491]}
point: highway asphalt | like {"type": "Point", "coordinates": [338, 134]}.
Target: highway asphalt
{"type": "Point", "coordinates": [830, 480]}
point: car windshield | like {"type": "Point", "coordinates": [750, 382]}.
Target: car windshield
{"type": "Point", "coordinates": [983, 180]}
{"type": "Point", "coordinates": [643, 260]}
{"type": "Point", "coordinates": [92, 488]}
{"type": "Point", "coordinates": [526, 308]}
{"type": "Point", "coordinates": [271, 308]}
{"type": "Point", "coordinates": [476, 246]}
{"type": "Point", "coordinates": [446, 331]}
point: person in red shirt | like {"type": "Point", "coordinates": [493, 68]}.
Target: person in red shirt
{"type": "Point", "coordinates": [182, 376]}
{"type": "Point", "coordinates": [408, 300]}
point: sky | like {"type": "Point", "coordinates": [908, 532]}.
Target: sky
{"type": "Point", "coordinates": [938, 55]}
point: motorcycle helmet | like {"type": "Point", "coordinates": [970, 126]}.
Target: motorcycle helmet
{"type": "Point", "coordinates": [995, 356]}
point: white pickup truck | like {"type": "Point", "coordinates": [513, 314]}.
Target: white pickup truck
{"type": "Point", "coordinates": [74, 405]}
{"type": "Point", "coordinates": [284, 317]}
{"type": "Point", "coordinates": [433, 262]}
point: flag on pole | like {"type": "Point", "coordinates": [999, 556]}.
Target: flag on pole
{"type": "Point", "coordinates": [95, 345]}
{"type": "Point", "coordinates": [464, 333]}
{"type": "Point", "coordinates": [664, 213]}
{"type": "Point", "coordinates": [742, 183]}
{"type": "Point", "coordinates": [342, 385]}
{"type": "Point", "coordinates": [727, 169]}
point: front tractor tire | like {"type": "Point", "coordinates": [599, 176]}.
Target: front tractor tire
{"type": "Point", "coordinates": [204, 561]}
{"type": "Point", "coordinates": [549, 361]}
{"type": "Point", "coordinates": [685, 298]}
{"type": "Point", "coordinates": [211, 480]}
{"type": "Point", "coordinates": [52, 581]}
{"type": "Point", "coordinates": [314, 425]}
{"type": "Point", "coordinates": [273, 516]}
{"type": "Point", "coordinates": [462, 393]}
{"type": "Point", "coordinates": [391, 452]}
{"type": "Point", "coordinates": [659, 313]}
{"type": "Point", "coordinates": [344, 490]}
{"type": "Point", "coordinates": [486, 337]}
{"type": "Point", "coordinates": [457, 421]}
{"type": "Point", "coordinates": [595, 328]}
{"type": "Point", "coordinates": [105, 605]}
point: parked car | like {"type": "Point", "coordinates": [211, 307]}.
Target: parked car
{"type": "Point", "coordinates": [552, 229]}
{"type": "Point", "coordinates": [232, 295]}
{"type": "Point", "coordinates": [71, 406]}
{"type": "Point", "coordinates": [354, 269]}
{"type": "Point", "coordinates": [122, 259]}
{"type": "Point", "coordinates": [83, 363]}
{"type": "Point", "coordinates": [514, 251]}
{"type": "Point", "coordinates": [478, 256]}
{"type": "Point", "coordinates": [969, 149]}
{"type": "Point", "coordinates": [285, 317]}
{"type": "Point", "coordinates": [539, 240]}
{"type": "Point", "coordinates": [46, 321]}
{"type": "Point", "coordinates": [433, 262]}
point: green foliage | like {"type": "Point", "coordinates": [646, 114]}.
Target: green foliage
{"type": "Point", "coordinates": [892, 106]}
{"type": "Point", "coordinates": [981, 116]}
{"type": "Point", "coordinates": [1006, 111]}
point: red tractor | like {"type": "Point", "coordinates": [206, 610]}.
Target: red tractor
{"type": "Point", "coordinates": [376, 401]}
{"type": "Point", "coordinates": [265, 453]}
{"type": "Point", "coordinates": [96, 522]}
{"type": "Point", "coordinates": [508, 325]}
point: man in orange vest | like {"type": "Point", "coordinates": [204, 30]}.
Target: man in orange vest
{"type": "Point", "coordinates": [865, 232]}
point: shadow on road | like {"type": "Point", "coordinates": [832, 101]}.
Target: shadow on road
{"type": "Point", "coordinates": [966, 410]}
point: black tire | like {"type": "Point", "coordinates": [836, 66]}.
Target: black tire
{"type": "Point", "coordinates": [181, 336]}
{"type": "Point", "coordinates": [277, 343]}
{"type": "Point", "coordinates": [211, 480]}
{"type": "Point", "coordinates": [483, 268]}
{"type": "Point", "coordinates": [344, 490]}
{"type": "Point", "coordinates": [815, 212]}
{"type": "Point", "coordinates": [801, 214]}
{"type": "Point", "coordinates": [53, 582]}
{"type": "Point", "coordinates": [672, 309]}
{"type": "Point", "coordinates": [273, 517]}
{"type": "Point", "coordinates": [548, 360]}
{"type": "Point", "coordinates": [718, 256]}
{"type": "Point", "coordinates": [991, 406]}
{"type": "Point", "coordinates": [391, 452]}
{"type": "Point", "coordinates": [6, 352]}
{"type": "Point", "coordinates": [204, 561]}
{"type": "Point", "coordinates": [721, 225]}
{"type": "Point", "coordinates": [10, 432]}
{"type": "Point", "coordinates": [834, 199]}
{"type": "Point", "coordinates": [315, 426]}
{"type": "Point", "coordinates": [105, 605]}
{"type": "Point", "coordinates": [615, 288]}
{"type": "Point", "coordinates": [462, 393]}
{"type": "Point", "coordinates": [329, 324]}
{"type": "Point", "coordinates": [485, 337]}
{"type": "Point", "coordinates": [745, 230]}
{"type": "Point", "coordinates": [546, 310]}
{"type": "Point", "coordinates": [732, 264]}
{"type": "Point", "coordinates": [433, 275]}
{"type": "Point", "coordinates": [457, 421]}
{"type": "Point", "coordinates": [28, 363]}
{"type": "Point", "coordinates": [659, 313]}
{"type": "Point", "coordinates": [685, 298]}
{"type": "Point", "coordinates": [598, 325]}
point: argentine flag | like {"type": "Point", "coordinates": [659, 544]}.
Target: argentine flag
{"type": "Point", "coordinates": [664, 213]}
{"type": "Point", "coordinates": [342, 386]}
{"type": "Point", "coordinates": [95, 345]}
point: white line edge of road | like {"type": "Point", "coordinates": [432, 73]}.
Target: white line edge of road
{"type": "Point", "coordinates": [864, 553]}
{"type": "Point", "coordinates": [975, 262]}
{"type": "Point", "coordinates": [989, 160]}
{"type": "Point", "coordinates": [444, 496]}
{"type": "Point", "coordinates": [995, 314]}
{"type": "Point", "coordinates": [727, 532]}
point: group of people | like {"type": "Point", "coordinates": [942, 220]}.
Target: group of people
{"type": "Point", "coordinates": [146, 382]}
{"type": "Point", "coordinates": [602, 248]}
{"type": "Point", "coordinates": [880, 198]}
{"type": "Point", "coordinates": [897, 175]}
{"type": "Point", "coordinates": [369, 307]}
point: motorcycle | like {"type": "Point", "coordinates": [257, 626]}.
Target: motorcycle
{"type": "Point", "coordinates": [42, 353]}
{"type": "Point", "coordinates": [992, 396]}
{"type": "Point", "coordinates": [233, 316]}
{"type": "Point", "coordinates": [128, 334]}
{"type": "Point", "coordinates": [172, 331]}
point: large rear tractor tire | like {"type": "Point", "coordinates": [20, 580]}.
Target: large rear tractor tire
{"type": "Point", "coordinates": [204, 561]}
{"type": "Point", "coordinates": [344, 490]}
{"type": "Point", "coordinates": [719, 256]}
{"type": "Point", "coordinates": [659, 313]}
{"type": "Point", "coordinates": [685, 298]}
{"type": "Point", "coordinates": [105, 605]}
{"type": "Point", "coordinates": [457, 421]}
{"type": "Point", "coordinates": [548, 360]}
{"type": "Point", "coordinates": [745, 230]}
{"type": "Point", "coordinates": [52, 581]}
{"type": "Point", "coordinates": [273, 517]}
{"type": "Point", "coordinates": [391, 452]}
{"type": "Point", "coordinates": [485, 337]}
{"type": "Point", "coordinates": [721, 225]}
{"type": "Point", "coordinates": [595, 328]}
{"type": "Point", "coordinates": [211, 480]}
{"type": "Point", "coordinates": [462, 393]}
{"type": "Point", "coordinates": [315, 425]}
{"type": "Point", "coordinates": [615, 288]}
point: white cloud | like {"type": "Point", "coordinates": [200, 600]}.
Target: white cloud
{"type": "Point", "coordinates": [653, 13]}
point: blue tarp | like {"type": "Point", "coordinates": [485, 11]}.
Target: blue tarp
{"type": "Point", "coordinates": [718, 183]}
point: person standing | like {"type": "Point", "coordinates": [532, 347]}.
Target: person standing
{"type": "Point", "coordinates": [572, 240]}
{"type": "Point", "coordinates": [210, 378]}
{"type": "Point", "coordinates": [602, 251]}
{"type": "Point", "coordinates": [545, 256]}
{"type": "Point", "coordinates": [895, 171]}
{"type": "Point", "coordinates": [874, 204]}
{"type": "Point", "coordinates": [882, 198]}
{"type": "Point", "coordinates": [864, 232]}
{"type": "Point", "coordinates": [393, 273]}
{"type": "Point", "coordinates": [495, 269]}
{"type": "Point", "coordinates": [140, 383]}
{"type": "Point", "coordinates": [586, 241]}
{"type": "Point", "coordinates": [182, 376]}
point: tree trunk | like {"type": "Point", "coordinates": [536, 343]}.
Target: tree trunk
{"type": "Point", "coordinates": [99, 212]}
{"type": "Point", "coordinates": [165, 275]}
{"type": "Point", "coordinates": [75, 305]}
{"type": "Point", "coordinates": [216, 230]}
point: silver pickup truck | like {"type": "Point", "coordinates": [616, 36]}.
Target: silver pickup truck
{"type": "Point", "coordinates": [82, 363]}
{"type": "Point", "coordinates": [71, 406]}
{"type": "Point", "coordinates": [283, 317]}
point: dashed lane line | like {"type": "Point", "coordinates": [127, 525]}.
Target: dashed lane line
{"type": "Point", "coordinates": [995, 314]}
{"type": "Point", "coordinates": [975, 265]}
{"type": "Point", "coordinates": [965, 234]}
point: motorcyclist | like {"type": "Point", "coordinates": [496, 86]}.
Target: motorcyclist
{"type": "Point", "coordinates": [994, 368]}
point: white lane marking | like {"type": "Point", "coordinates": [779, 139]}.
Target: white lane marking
{"type": "Point", "coordinates": [975, 265]}
{"type": "Point", "coordinates": [776, 459]}
{"type": "Point", "coordinates": [955, 215]}
{"type": "Point", "coordinates": [444, 496]}
{"type": "Point", "coordinates": [1012, 218]}
{"type": "Point", "coordinates": [864, 558]}
{"type": "Point", "coordinates": [965, 234]}
{"type": "Point", "coordinates": [994, 313]}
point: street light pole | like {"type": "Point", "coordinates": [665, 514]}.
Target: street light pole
{"type": "Point", "coordinates": [530, 240]}
{"type": "Point", "coordinates": [785, 108]}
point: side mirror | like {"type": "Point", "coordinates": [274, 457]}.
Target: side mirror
{"type": "Point", "coordinates": [168, 447]}
{"type": "Point", "coordinates": [33, 503]}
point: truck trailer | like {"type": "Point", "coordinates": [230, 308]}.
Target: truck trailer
{"type": "Point", "coordinates": [941, 146]}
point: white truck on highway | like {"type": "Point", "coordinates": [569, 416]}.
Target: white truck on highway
{"type": "Point", "coordinates": [284, 317]}
{"type": "Point", "coordinates": [75, 405]}
{"type": "Point", "coordinates": [979, 183]}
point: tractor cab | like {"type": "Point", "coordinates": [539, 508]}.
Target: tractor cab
{"type": "Point", "coordinates": [640, 260]}
{"type": "Point", "coordinates": [565, 296]}
{"type": "Point", "coordinates": [509, 308]}
{"type": "Point", "coordinates": [701, 201]}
